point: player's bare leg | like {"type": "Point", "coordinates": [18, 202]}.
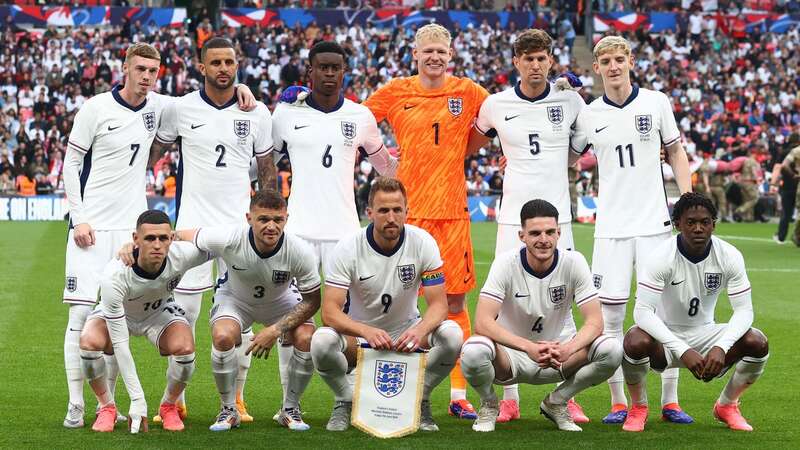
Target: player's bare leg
{"type": "Point", "coordinates": [459, 405]}
{"type": "Point", "coordinates": [176, 342]}
{"type": "Point", "coordinates": [243, 361]}
{"type": "Point", "coordinates": [300, 368]}
{"type": "Point", "coordinates": [72, 364]}
{"type": "Point", "coordinates": [225, 336]}
{"type": "Point", "coordinates": [94, 341]}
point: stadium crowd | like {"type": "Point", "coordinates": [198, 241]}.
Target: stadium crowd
{"type": "Point", "coordinates": [732, 97]}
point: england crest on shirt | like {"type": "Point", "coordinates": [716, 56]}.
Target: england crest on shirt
{"type": "Point", "coordinates": [390, 377]}
{"type": "Point", "coordinates": [555, 114]}
{"type": "Point", "coordinates": [241, 128]}
{"type": "Point", "coordinates": [72, 284]}
{"type": "Point", "coordinates": [149, 120]}
{"type": "Point", "coordinates": [557, 295]}
{"type": "Point", "coordinates": [713, 281]}
{"type": "Point", "coordinates": [644, 123]}
{"type": "Point", "coordinates": [173, 283]}
{"type": "Point", "coordinates": [455, 105]}
{"type": "Point", "coordinates": [597, 280]}
{"type": "Point", "coordinates": [348, 130]}
{"type": "Point", "coordinates": [406, 274]}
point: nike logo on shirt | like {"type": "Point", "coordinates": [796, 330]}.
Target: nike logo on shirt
{"type": "Point", "coordinates": [518, 295]}
{"type": "Point", "coordinates": [512, 117]}
{"type": "Point", "coordinates": [365, 278]}
{"type": "Point", "coordinates": [297, 127]}
{"type": "Point", "coordinates": [110, 128]}
{"type": "Point", "coordinates": [407, 107]}
{"type": "Point", "coordinates": [236, 268]}
{"type": "Point", "coordinates": [197, 126]}
{"type": "Point", "coordinates": [597, 130]}
{"type": "Point", "coordinates": [675, 284]}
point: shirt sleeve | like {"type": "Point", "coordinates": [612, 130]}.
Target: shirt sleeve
{"type": "Point", "coordinates": [582, 279]}
{"type": "Point", "coordinates": [84, 129]}
{"type": "Point", "coordinates": [278, 116]}
{"type": "Point", "coordinates": [497, 282]}
{"type": "Point", "coordinates": [168, 128]}
{"type": "Point", "coordinates": [479, 95]}
{"type": "Point", "coordinates": [579, 135]}
{"type": "Point", "coordinates": [668, 127]}
{"type": "Point", "coordinates": [381, 100]}
{"type": "Point", "coordinates": [306, 271]}
{"type": "Point", "coordinates": [340, 270]}
{"type": "Point", "coordinates": [485, 123]}
{"type": "Point", "coordinates": [740, 296]}
{"type": "Point", "coordinates": [215, 239]}
{"type": "Point", "coordinates": [432, 265]}
{"type": "Point", "coordinates": [649, 293]}
{"type": "Point", "coordinates": [263, 144]}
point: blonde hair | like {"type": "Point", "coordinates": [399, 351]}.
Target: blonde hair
{"type": "Point", "coordinates": [432, 32]}
{"type": "Point", "coordinates": [610, 44]}
{"type": "Point", "coordinates": [143, 50]}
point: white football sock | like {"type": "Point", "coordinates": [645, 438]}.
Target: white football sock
{"type": "Point", "coordinates": [243, 362]}
{"type": "Point", "coordinates": [330, 362]}
{"type": "Point", "coordinates": [511, 392]}
{"type": "Point", "coordinates": [604, 357]}
{"type": "Point", "coordinates": [93, 368]}
{"type": "Point", "coordinates": [445, 343]}
{"type": "Point", "coordinates": [179, 371]}
{"type": "Point", "coordinates": [477, 355]}
{"type": "Point", "coordinates": [285, 353]}
{"type": "Point", "coordinates": [613, 316]}
{"type": "Point", "coordinates": [300, 370]}
{"type": "Point", "coordinates": [223, 364]}
{"type": "Point", "coordinates": [746, 373]}
{"type": "Point", "coordinates": [72, 355]}
{"type": "Point", "coordinates": [191, 304]}
{"type": "Point", "coordinates": [112, 372]}
{"type": "Point", "coordinates": [635, 371]}
{"type": "Point", "coordinates": [669, 386]}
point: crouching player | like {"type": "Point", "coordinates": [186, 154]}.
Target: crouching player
{"type": "Point", "coordinates": [137, 300]}
{"type": "Point", "coordinates": [383, 267]}
{"type": "Point", "coordinates": [683, 279]}
{"type": "Point", "coordinates": [262, 262]}
{"type": "Point", "coordinates": [521, 312]}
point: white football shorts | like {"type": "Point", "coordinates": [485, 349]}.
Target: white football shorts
{"type": "Point", "coordinates": [84, 266]}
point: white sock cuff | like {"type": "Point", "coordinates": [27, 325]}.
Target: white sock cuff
{"type": "Point", "coordinates": [448, 333]}
{"type": "Point", "coordinates": [479, 342]}
{"type": "Point", "coordinates": [77, 317]}
{"type": "Point", "coordinates": [327, 337]}
{"type": "Point", "coordinates": [92, 364]}
{"type": "Point", "coordinates": [604, 345]}
{"type": "Point", "coordinates": [636, 362]}
{"type": "Point", "coordinates": [754, 360]}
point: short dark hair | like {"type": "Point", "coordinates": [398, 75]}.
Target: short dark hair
{"type": "Point", "coordinates": [533, 40]}
{"type": "Point", "coordinates": [152, 217]}
{"type": "Point", "coordinates": [691, 200]}
{"type": "Point", "coordinates": [386, 184]}
{"type": "Point", "coordinates": [537, 208]}
{"type": "Point", "coordinates": [326, 47]}
{"type": "Point", "coordinates": [215, 42]}
{"type": "Point", "coordinates": [267, 198]}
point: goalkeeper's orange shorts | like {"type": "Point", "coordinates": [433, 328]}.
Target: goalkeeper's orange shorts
{"type": "Point", "coordinates": [455, 246]}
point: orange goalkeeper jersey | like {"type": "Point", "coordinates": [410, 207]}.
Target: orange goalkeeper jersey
{"type": "Point", "coordinates": [432, 128]}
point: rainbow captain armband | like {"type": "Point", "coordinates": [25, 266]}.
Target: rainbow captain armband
{"type": "Point", "coordinates": [433, 277]}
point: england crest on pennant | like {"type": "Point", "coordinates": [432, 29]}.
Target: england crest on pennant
{"type": "Point", "coordinates": [241, 128]}
{"type": "Point", "coordinates": [713, 281]}
{"type": "Point", "coordinates": [644, 123]}
{"type": "Point", "coordinates": [149, 121]}
{"type": "Point", "coordinates": [349, 130]}
{"type": "Point", "coordinates": [390, 377]}
{"type": "Point", "coordinates": [455, 105]}
{"type": "Point", "coordinates": [555, 114]}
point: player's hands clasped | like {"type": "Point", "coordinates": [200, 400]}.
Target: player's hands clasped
{"type": "Point", "coordinates": [83, 234]}
{"type": "Point", "coordinates": [694, 362]}
{"type": "Point", "coordinates": [262, 342]}
{"type": "Point", "coordinates": [125, 254]}
{"type": "Point", "coordinates": [377, 338]}
{"type": "Point", "coordinates": [713, 363]}
{"type": "Point", "coordinates": [543, 353]}
{"type": "Point", "coordinates": [410, 340]}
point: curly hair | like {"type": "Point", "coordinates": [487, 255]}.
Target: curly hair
{"type": "Point", "coordinates": [690, 200]}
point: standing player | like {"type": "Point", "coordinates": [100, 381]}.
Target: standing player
{"type": "Point", "coordinates": [521, 316]}
{"type": "Point", "coordinates": [322, 136]}
{"type": "Point", "coordinates": [627, 128]}
{"type": "Point", "coordinates": [372, 282]}
{"type": "Point", "coordinates": [262, 263]}
{"type": "Point", "coordinates": [216, 142]}
{"type": "Point", "coordinates": [104, 179]}
{"type": "Point", "coordinates": [137, 300]}
{"type": "Point", "coordinates": [533, 121]}
{"type": "Point", "coordinates": [682, 280]}
{"type": "Point", "coordinates": [431, 115]}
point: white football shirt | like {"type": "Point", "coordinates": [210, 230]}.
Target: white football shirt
{"type": "Point", "coordinates": [216, 144]}
{"type": "Point", "coordinates": [133, 293]}
{"type": "Point", "coordinates": [535, 305]}
{"type": "Point", "coordinates": [535, 135]}
{"type": "Point", "coordinates": [115, 139]}
{"type": "Point", "coordinates": [254, 277]}
{"type": "Point", "coordinates": [627, 140]}
{"type": "Point", "coordinates": [322, 147]}
{"type": "Point", "coordinates": [383, 286]}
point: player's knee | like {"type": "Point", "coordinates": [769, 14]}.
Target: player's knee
{"type": "Point", "coordinates": [183, 348]}
{"type": "Point", "coordinates": [325, 342]}
{"type": "Point", "coordinates": [756, 343]}
{"type": "Point", "coordinates": [476, 352]}
{"type": "Point", "coordinates": [223, 340]}
{"type": "Point", "coordinates": [449, 337]}
{"type": "Point", "coordinates": [181, 367]}
{"type": "Point", "coordinates": [302, 337]}
{"type": "Point", "coordinates": [636, 343]}
{"type": "Point", "coordinates": [91, 342]}
{"type": "Point", "coordinates": [606, 351]}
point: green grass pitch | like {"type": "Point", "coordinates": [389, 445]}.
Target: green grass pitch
{"type": "Point", "coordinates": [33, 387]}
